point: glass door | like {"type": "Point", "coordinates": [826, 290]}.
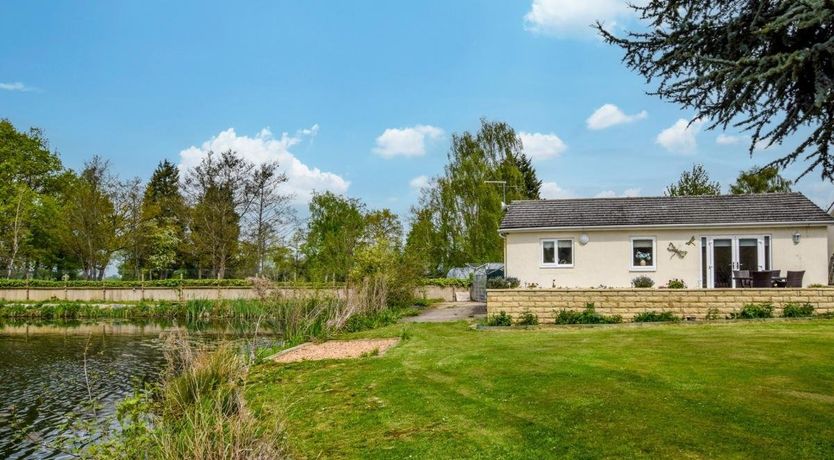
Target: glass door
{"type": "Point", "coordinates": [722, 263]}
{"type": "Point", "coordinates": [725, 254]}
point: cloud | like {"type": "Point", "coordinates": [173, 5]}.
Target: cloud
{"type": "Point", "coordinates": [419, 182]}
{"type": "Point", "coordinates": [407, 142]}
{"type": "Point", "coordinates": [610, 115]}
{"type": "Point", "coordinates": [726, 139]}
{"type": "Point", "coordinates": [574, 17]}
{"type": "Point", "coordinates": [680, 137]}
{"type": "Point", "coordinates": [15, 86]}
{"type": "Point", "coordinates": [552, 191]}
{"type": "Point", "coordinates": [540, 146]}
{"type": "Point", "coordinates": [629, 192]}
{"type": "Point", "coordinates": [302, 179]}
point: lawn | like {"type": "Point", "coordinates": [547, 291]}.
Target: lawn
{"type": "Point", "coordinates": [753, 389]}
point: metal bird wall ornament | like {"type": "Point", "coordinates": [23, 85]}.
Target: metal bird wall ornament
{"type": "Point", "coordinates": [675, 251]}
{"type": "Point", "coordinates": [691, 241]}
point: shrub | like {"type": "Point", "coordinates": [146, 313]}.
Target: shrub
{"type": "Point", "coordinates": [712, 314]}
{"type": "Point", "coordinates": [502, 283]}
{"type": "Point", "coordinates": [527, 318]}
{"type": "Point", "coordinates": [795, 310]}
{"type": "Point", "coordinates": [587, 316]}
{"type": "Point", "coordinates": [817, 285]}
{"type": "Point", "coordinates": [654, 317]}
{"type": "Point", "coordinates": [445, 282]}
{"type": "Point", "coordinates": [642, 281]}
{"type": "Point", "coordinates": [754, 311]}
{"type": "Point", "coordinates": [501, 319]}
{"type": "Point", "coordinates": [675, 284]}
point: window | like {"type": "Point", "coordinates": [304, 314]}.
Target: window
{"type": "Point", "coordinates": [642, 254]}
{"type": "Point", "coordinates": [557, 253]}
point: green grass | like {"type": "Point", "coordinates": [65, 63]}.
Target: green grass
{"type": "Point", "coordinates": [739, 390]}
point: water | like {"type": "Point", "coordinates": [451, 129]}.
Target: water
{"type": "Point", "coordinates": [43, 385]}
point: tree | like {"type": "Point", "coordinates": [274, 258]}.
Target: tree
{"type": "Point", "coordinates": [90, 221]}
{"type": "Point", "coordinates": [29, 175]}
{"type": "Point", "coordinates": [221, 192]}
{"type": "Point", "coordinates": [461, 210]}
{"type": "Point", "coordinates": [135, 228]}
{"type": "Point", "coordinates": [763, 66]}
{"type": "Point", "coordinates": [271, 214]}
{"type": "Point", "coordinates": [760, 180]}
{"type": "Point", "coordinates": [166, 214]}
{"type": "Point", "coordinates": [421, 246]}
{"type": "Point", "coordinates": [334, 230]}
{"type": "Point", "coordinates": [694, 182]}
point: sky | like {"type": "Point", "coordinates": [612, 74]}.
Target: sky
{"type": "Point", "coordinates": [359, 98]}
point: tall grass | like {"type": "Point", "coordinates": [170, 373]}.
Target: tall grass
{"type": "Point", "coordinates": [197, 412]}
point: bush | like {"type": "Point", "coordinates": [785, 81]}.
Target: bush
{"type": "Point", "coordinates": [795, 310]}
{"type": "Point", "coordinates": [445, 282]}
{"type": "Point", "coordinates": [527, 318]}
{"type": "Point", "coordinates": [502, 283]}
{"type": "Point", "coordinates": [642, 281]}
{"type": "Point", "coordinates": [712, 314]}
{"type": "Point", "coordinates": [654, 317]}
{"type": "Point", "coordinates": [501, 319]}
{"type": "Point", "coordinates": [675, 284]}
{"type": "Point", "coordinates": [754, 311]}
{"type": "Point", "coordinates": [587, 316]}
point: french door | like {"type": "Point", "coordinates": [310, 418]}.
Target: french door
{"type": "Point", "coordinates": [728, 253]}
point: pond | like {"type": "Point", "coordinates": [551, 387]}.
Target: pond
{"type": "Point", "coordinates": [44, 395]}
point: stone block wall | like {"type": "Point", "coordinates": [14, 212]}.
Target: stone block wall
{"type": "Point", "coordinates": [684, 303]}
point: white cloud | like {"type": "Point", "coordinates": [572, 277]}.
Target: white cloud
{"type": "Point", "coordinates": [726, 139]}
{"type": "Point", "coordinates": [680, 137]}
{"type": "Point", "coordinates": [552, 191]}
{"type": "Point", "coordinates": [14, 86]}
{"type": "Point", "coordinates": [610, 115]}
{"type": "Point", "coordinates": [419, 182]}
{"type": "Point", "coordinates": [408, 142]}
{"type": "Point", "coordinates": [629, 192]}
{"type": "Point", "coordinates": [574, 17]}
{"type": "Point", "coordinates": [539, 146]}
{"type": "Point", "coordinates": [302, 179]}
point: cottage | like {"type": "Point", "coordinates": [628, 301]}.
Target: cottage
{"type": "Point", "coordinates": [705, 241]}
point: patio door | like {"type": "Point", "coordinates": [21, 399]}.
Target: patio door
{"type": "Point", "coordinates": [728, 253]}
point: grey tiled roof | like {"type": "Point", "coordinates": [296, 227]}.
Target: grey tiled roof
{"type": "Point", "coordinates": [663, 210]}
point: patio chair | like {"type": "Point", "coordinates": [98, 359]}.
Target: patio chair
{"type": "Point", "coordinates": [742, 278]}
{"type": "Point", "coordinates": [794, 279]}
{"type": "Point", "coordinates": [762, 279]}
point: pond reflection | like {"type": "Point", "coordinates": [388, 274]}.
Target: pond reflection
{"type": "Point", "coordinates": [42, 380]}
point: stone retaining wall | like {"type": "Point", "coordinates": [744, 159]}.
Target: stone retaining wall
{"type": "Point", "coordinates": [138, 294]}
{"type": "Point", "coordinates": [684, 303]}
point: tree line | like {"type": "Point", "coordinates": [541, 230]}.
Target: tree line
{"type": "Point", "coordinates": [226, 217]}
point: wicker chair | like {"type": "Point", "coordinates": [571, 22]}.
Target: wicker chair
{"type": "Point", "coordinates": [742, 278]}
{"type": "Point", "coordinates": [794, 279]}
{"type": "Point", "coordinates": [762, 279]}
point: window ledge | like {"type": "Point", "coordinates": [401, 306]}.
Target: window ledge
{"type": "Point", "coordinates": [555, 266]}
{"type": "Point", "coordinates": [642, 269]}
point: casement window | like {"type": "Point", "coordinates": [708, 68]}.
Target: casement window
{"type": "Point", "coordinates": [643, 253]}
{"type": "Point", "coordinates": [557, 253]}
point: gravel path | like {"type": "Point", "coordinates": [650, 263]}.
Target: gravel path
{"type": "Point", "coordinates": [450, 311]}
{"type": "Point", "coordinates": [334, 349]}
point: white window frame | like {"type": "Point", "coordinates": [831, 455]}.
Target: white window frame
{"type": "Point", "coordinates": [642, 268]}
{"type": "Point", "coordinates": [556, 264]}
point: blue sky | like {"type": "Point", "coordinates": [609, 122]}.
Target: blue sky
{"type": "Point", "coordinates": [356, 97]}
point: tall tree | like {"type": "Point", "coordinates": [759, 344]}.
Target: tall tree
{"type": "Point", "coordinates": [764, 66]}
{"type": "Point", "coordinates": [694, 182]}
{"type": "Point", "coordinates": [462, 209]}
{"type": "Point", "coordinates": [166, 215]}
{"type": "Point", "coordinates": [335, 229]}
{"type": "Point", "coordinates": [221, 192]}
{"type": "Point", "coordinates": [90, 220]}
{"type": "Point", "coordinates": [29, 175]}
{"type": "Point", "coordinates": [270, 215]}
{"type": "Point", "coordinates": [760, 180]}
{"type": "Point", "coordinates": [135, 228]}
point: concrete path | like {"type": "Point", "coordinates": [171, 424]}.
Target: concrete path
{"type": "Point", "coordinates": [449, 311]}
